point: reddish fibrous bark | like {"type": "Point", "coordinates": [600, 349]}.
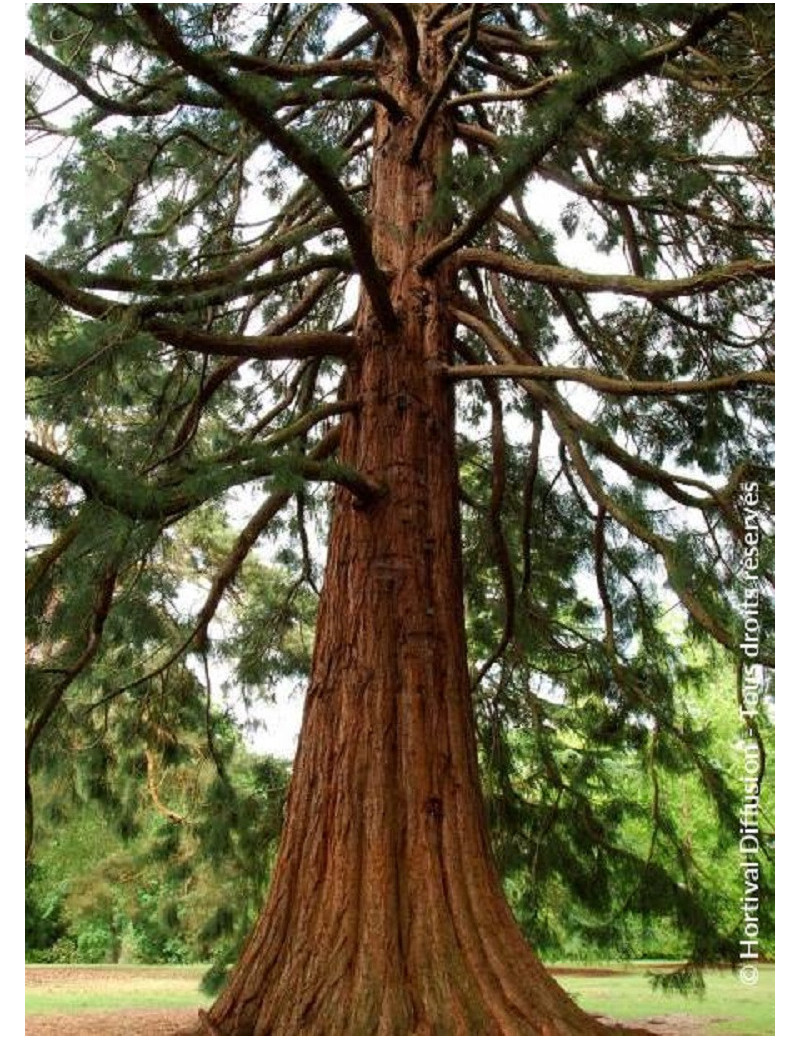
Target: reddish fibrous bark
{"type": "Point", "coordinates": [385, 913]}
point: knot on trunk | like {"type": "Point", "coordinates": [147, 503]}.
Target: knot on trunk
{"type": "Point", "coordinates": [434, 807]}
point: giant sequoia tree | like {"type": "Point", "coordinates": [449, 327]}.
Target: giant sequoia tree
{"type": "Point", "coordinates": [313, 250]}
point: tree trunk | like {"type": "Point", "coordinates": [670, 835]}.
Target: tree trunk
{"type": "Point", "coordinates": [385, 914]}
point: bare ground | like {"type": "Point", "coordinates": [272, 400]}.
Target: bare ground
{"type": "Point", "coordinates": [113, 1023]}
{"type": "Point", "coordinates": [169, 1022]}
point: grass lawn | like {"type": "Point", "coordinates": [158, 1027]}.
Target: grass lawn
{"type": "Point", "coordinates": [72, 989]}
{"type": "Point", "coordinates": [727, 1008]}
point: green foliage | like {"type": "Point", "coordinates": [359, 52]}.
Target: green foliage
{"type": "Point", "coordinates": [613, 789]}
{"type": "Point", "coordinates": [44, 912]}
{"type": "Point", "coordinates": [114, 879]}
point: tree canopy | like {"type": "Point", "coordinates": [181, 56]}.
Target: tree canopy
{"type": "Point", "coordinates": [209, 266]}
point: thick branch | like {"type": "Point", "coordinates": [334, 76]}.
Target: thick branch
{"type": "Point", "coordinates": [379, 18]}
{"type": "Point", "coordinates": [556, 276]}
{"type": "Point", "coordinates": [263, 347]}
{"type": "Point", "coordinates": [607, 384]}
{"type": "Point", "coordinates": [140, 500]}
{"type": "Point", "coordinates": [288, 71]}
{"type": "Point", "coordinates": [407, 26]}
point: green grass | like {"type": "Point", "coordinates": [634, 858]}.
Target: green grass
{"type": "Point", "coordinates": [727, 1008]}
{"type": "Point", "coordinates": [114, 987]}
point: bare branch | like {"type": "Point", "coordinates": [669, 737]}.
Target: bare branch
{"type": "Point", "coordinates": [609, 385]}
{"type": "Point", "coordinates": [288, 71]}
{"type": "Point", "coordinates": [556, 276]}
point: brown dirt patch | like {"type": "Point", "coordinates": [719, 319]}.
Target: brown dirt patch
{"type": "Point", "coordinates": [586, 973]}
{"type": "Point", "coordinates": [68, 976]}
{"type": "Point", "coordinates": [170, 1023]}
{"type": "Point", "coordinates": [578, 971]}
{"type": "Point", "coordinates": [112, 1023]}
{"type": "Point", "coordinates": [681, 1023]}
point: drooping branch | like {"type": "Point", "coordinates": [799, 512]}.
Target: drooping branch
{"type": "Point", "coordinates": [602, 585]}
{"type": "Point", "coordinates": [227, 368]}
{"type": "Point", "coordinates": [228, 571]}
{"type": "Point", "coordinates": [152, 787]}
{"type": "Point", "coordinates": [244, 100]}
{"type": "Point", "coordinates": [495, 518]}
{"type": "Point", "coordinates": [522, 227]}
{"type": "Point", "coordinates": [571, 429]}
{"type": "Point", "coordinates": [248, 537]}
{"type": "Point", "coordinates": [526, 518]}
{"type": "Point", "coordinates": [671, 484]}
{"type": "Point", "coordinates": [666, 549]}
{"type": "Point", "coordinates": [655, 204]}
{"type": "Point", "coordinates": [104, 596]}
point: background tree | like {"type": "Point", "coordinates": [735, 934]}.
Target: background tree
{"type": "Point", "coordinates": [229, 172]}
{"type": "Point", "coordinates": [152, 856]}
